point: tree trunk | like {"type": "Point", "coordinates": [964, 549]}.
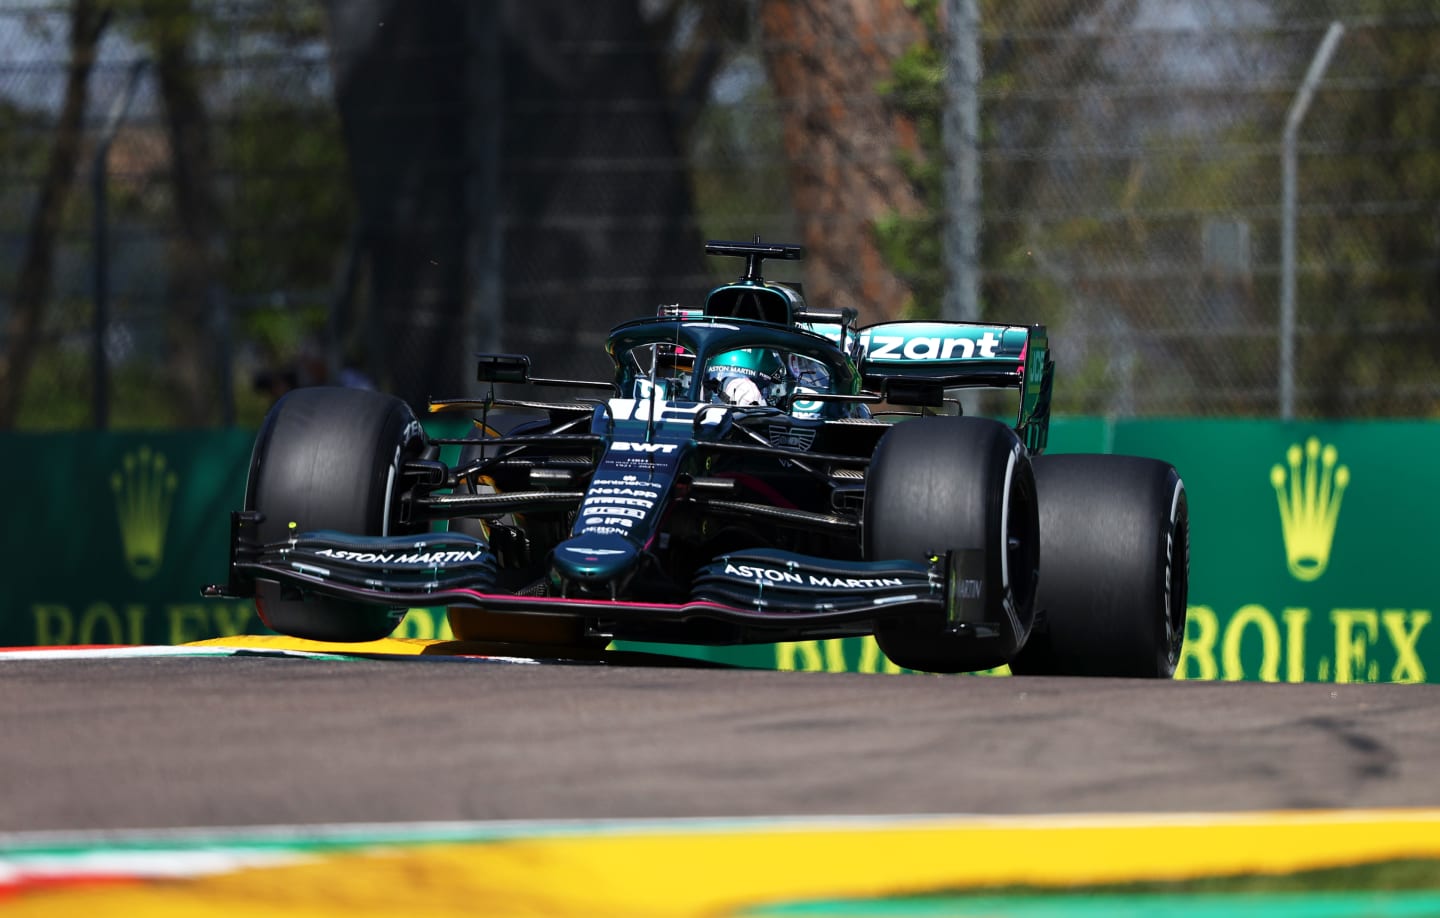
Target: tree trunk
{"type": "Point", "coordinates": [87, 22]}
{"type": "Point", "coordinates": [597, 223]}
{"type": "Point", "coordinates": [194, 352]}
{"type": "Point", "coordinates": [826, 60]}
{"type": "Point", "coordinates": [399, 72]}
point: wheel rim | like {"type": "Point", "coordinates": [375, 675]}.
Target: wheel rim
{"type": "Point", "coordinates": [1177, 576]}
{"type": "Point", "coordinates": [1021, 542]}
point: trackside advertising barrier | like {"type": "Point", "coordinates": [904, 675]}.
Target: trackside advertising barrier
{"type": "Point", "coordinates": [1311, 552]}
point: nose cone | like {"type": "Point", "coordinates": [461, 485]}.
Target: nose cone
{"type": "Point", "coordinates": [592, 560]}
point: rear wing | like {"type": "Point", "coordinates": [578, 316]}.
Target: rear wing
{"type": "Point", "coordinates": [916, 362]}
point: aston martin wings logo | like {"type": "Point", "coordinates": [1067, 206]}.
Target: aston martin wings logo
{"type": "Point", "coordinates": [788, 436]}
{"type": "Point", "coordinates": [1309, 488]}
{"type": "Point", "coordinates": [144, 488]}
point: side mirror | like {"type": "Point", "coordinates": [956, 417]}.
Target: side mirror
{"type": "Point", "coordinates": [503, 368]}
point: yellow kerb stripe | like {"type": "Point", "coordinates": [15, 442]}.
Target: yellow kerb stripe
{"type": "Point", "coordinates": [721, 872]}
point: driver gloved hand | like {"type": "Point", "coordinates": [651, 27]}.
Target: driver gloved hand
{"type": "Point", "coordinates": [738, 390]}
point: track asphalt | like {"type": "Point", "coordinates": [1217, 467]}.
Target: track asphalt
{"type": "Point", "coordinates": [369, 786]}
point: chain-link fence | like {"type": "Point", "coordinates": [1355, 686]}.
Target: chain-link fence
{"type": "Point", "coordinates": [208, 212]}
{"type": "Point", "coordinates": [1147, 148]}
{"type": "Point", "coordinates": [350, 204]}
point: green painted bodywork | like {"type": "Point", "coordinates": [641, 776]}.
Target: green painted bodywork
{"type": "Point", "coordinates": [775, 303]}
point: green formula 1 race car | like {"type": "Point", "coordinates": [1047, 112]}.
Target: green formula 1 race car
{"type": "Point", "coordinates": [755, 471]}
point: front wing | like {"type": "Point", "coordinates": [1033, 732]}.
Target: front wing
{"type": "Point", "coordinates": [759, 590]}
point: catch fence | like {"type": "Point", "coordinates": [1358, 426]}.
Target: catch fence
{"type": "Point", "coordinates": [381, 205]}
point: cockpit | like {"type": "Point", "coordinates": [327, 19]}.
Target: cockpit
{"type": "Point", "coordinates": [753, 376]}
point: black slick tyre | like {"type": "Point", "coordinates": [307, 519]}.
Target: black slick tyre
{"type": "Point", "coordinates": [329, 458]}
{"type": "Point", "coordinates": [1115, 536]}
{"type": "Point", "coordinates": [943, 483]}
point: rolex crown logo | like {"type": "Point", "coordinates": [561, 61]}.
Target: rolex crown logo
{"type": "Point", "coordinates": [1309, 487]}
{"type": "Point", "coordinates": [144, 494]}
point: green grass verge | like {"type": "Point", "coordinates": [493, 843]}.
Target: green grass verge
{"type": "Point", "coordinates": [1391, 889]}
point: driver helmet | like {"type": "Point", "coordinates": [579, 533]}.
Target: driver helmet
{"type": "Point", "coordinates": [747, 376]}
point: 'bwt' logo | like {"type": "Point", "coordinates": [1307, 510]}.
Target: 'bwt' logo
{"type": "Point", "coordinates": [1310, 505]}
{"type": "Point", "coordinates": [144, 494]}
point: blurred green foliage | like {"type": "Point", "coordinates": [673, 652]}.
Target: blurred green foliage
{"type": "Point", "coordinates": [911, 244]}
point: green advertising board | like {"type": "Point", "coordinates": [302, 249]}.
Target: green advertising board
{"type": "Point", "coordinates": [1309, 546]}
{"type": "Point", "coordinates": [109, 538]}
{"type": "Point", "coordinates": [107, 534]}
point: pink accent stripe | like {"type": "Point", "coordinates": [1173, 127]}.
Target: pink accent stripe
{"type": "Point", "coordinates": [591, 603]}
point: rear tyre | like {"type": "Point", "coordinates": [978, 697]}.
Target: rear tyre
{"type": "Point", "coordinates": [1115, 535]}
{"type": "Point", "coordinates": [942, 483]}
{"type": "Point", "coordinates": [329, 458]}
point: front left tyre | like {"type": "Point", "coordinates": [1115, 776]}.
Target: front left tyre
{"type": "Point", "coordinates": [938, 484]}
{"type": "Point", "coordinates": [1115, 535]}
{"type": "Point", "coordinates": [329, 458]}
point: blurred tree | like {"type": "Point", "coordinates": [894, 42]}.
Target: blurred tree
{"type": "Point", "coordinates": [1036, 54]}
{"type": "Point", "coordinates": [289, 204]}
{"type": "Point", "coordinates": [1190, 167]}
{"type": "Point", "coordinates": [88, 19]}
{"type": "Point", "coordinates": [826, 60]}
{"type": "Point", "coordinates": [258, 208]}
{"type": "Point", "coordinates": [1027, 49]}
{"type": "Point", "coordinates": [171, 28]}
{"type": "Point", "coordinates": [401, 87]}
{"type": "Point", "coordinates": [861, 83]}
{"type": "Point", "coordinates": [910, 242]}
{"type": "Point", "coordinates": [589, 204]}
{"type": "Point", "coordinates": [600, 217]}
{"type": "Point", "coordinates": [697, 39]}
{"type": "Point", "coordinates": [1368, 240]}
{"type": "Point", "coordinates": [724, 114]}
